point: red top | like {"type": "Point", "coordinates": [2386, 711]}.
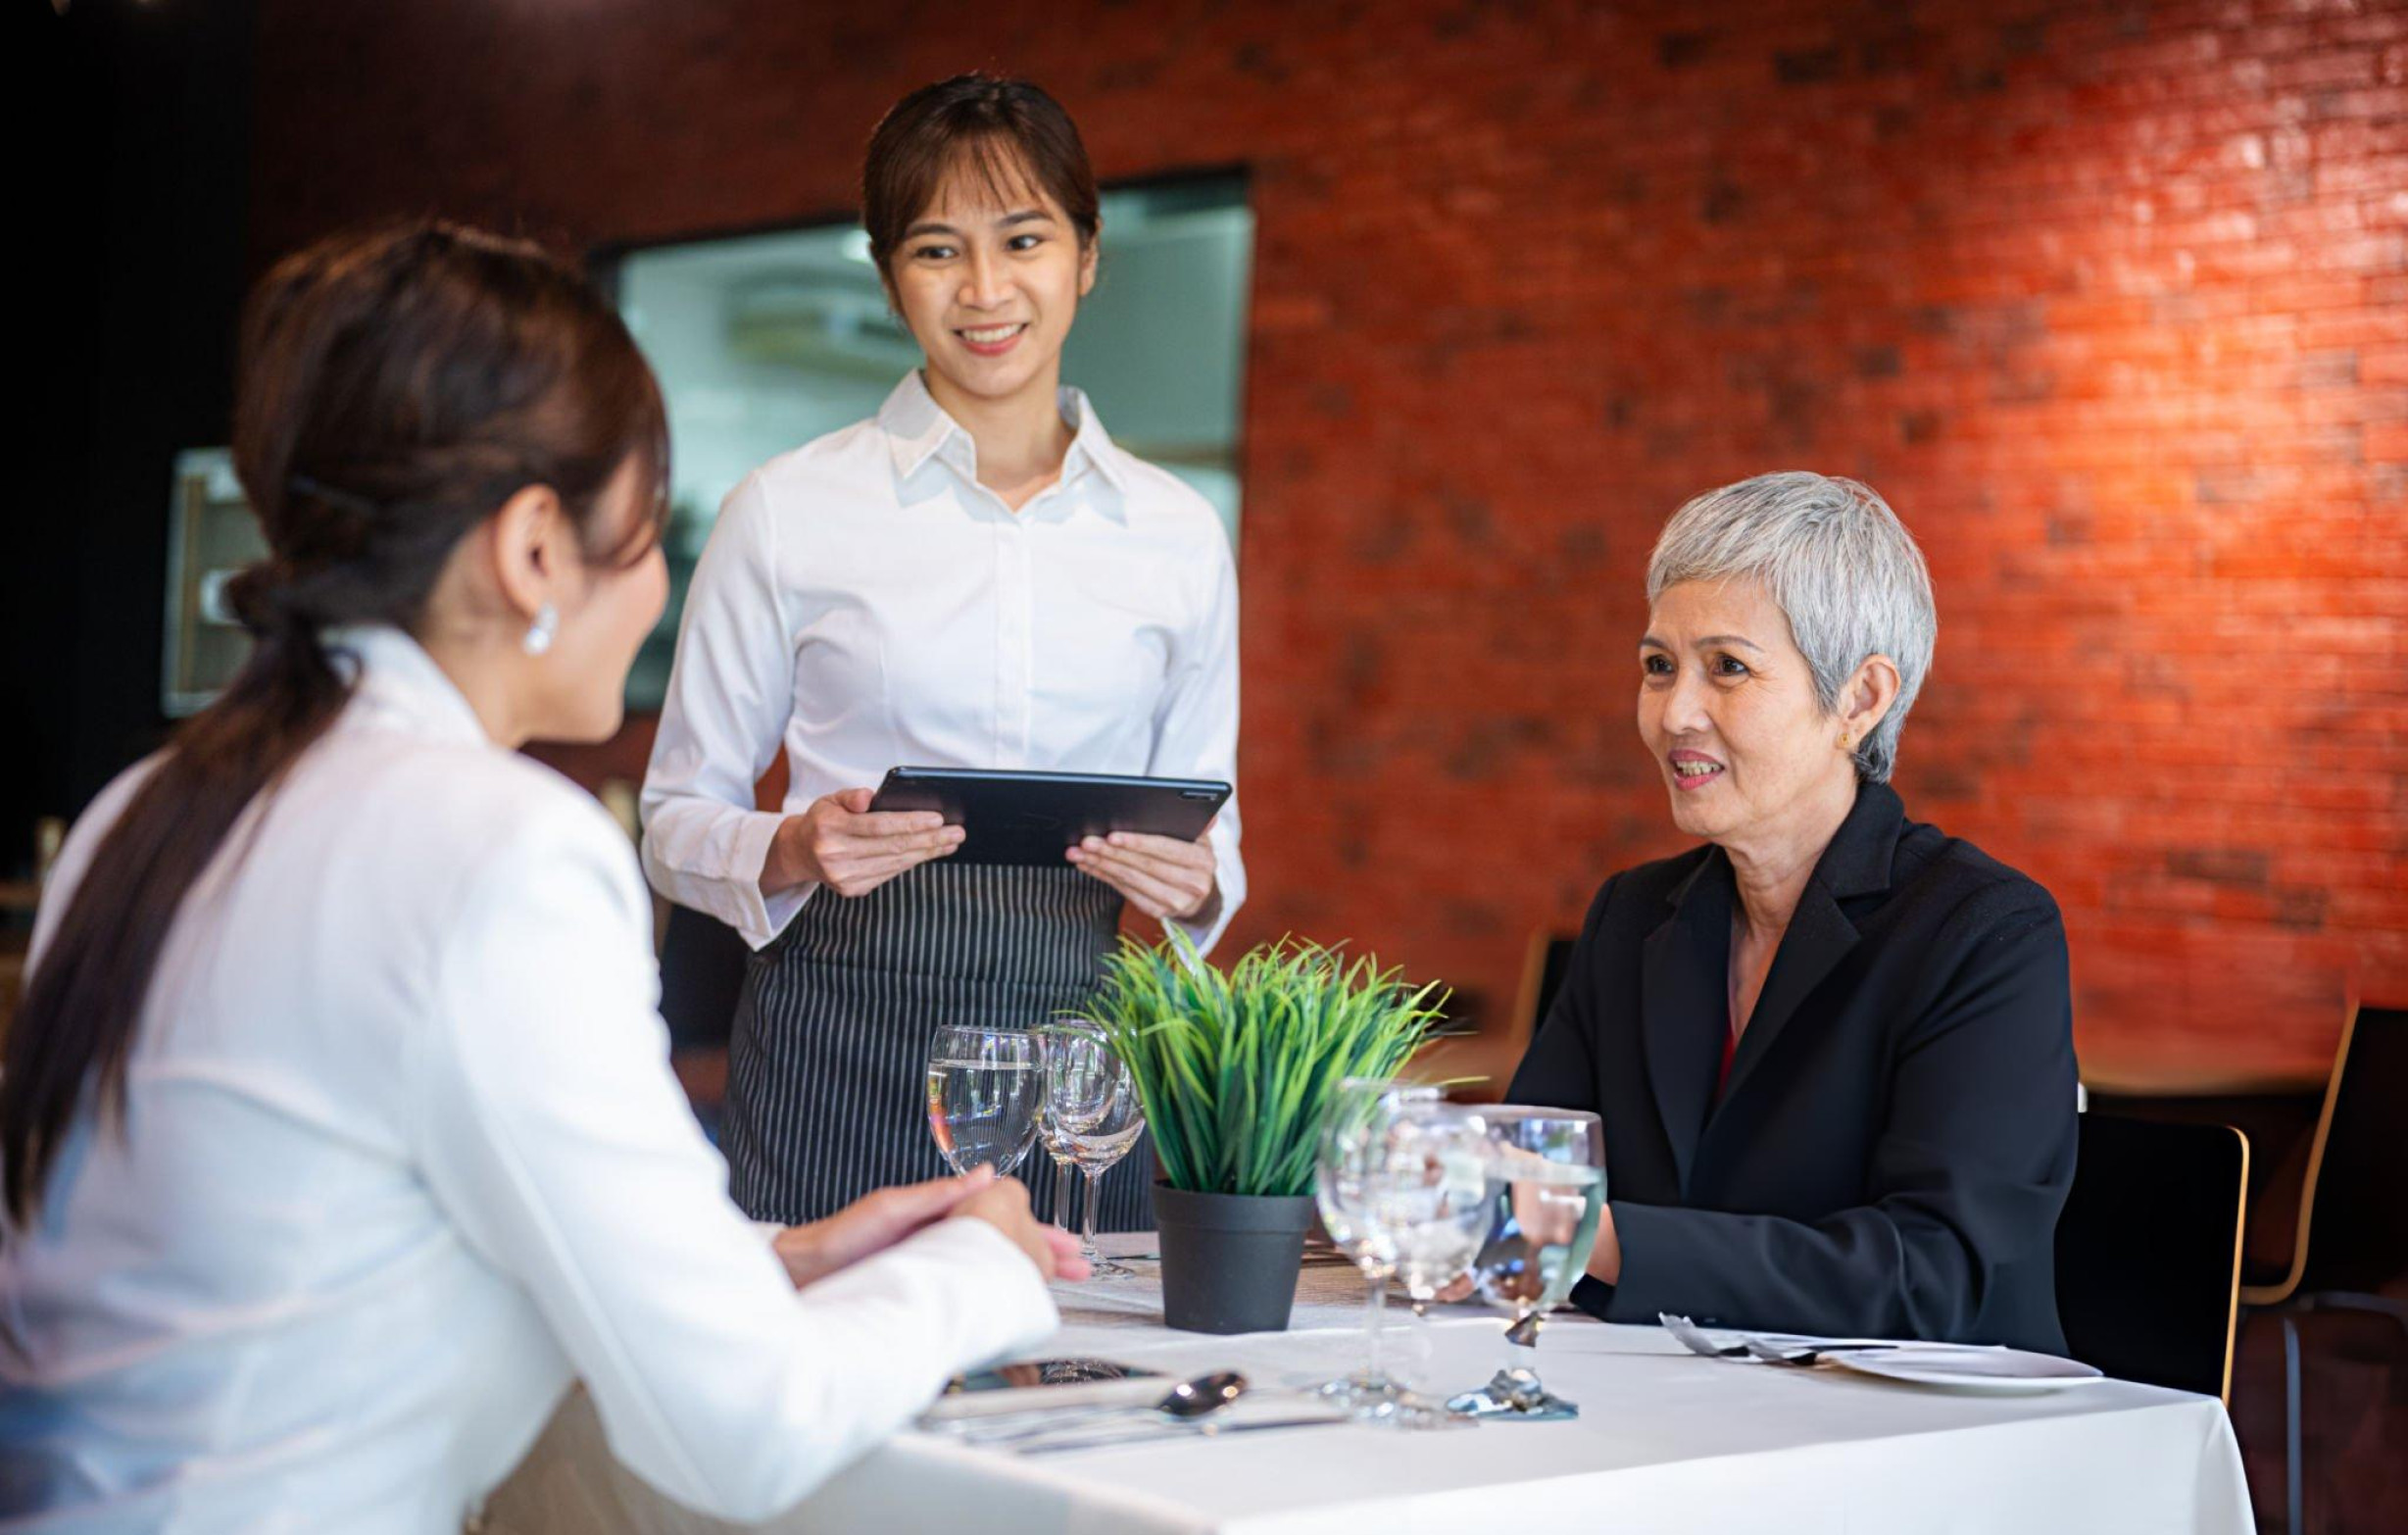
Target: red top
{"type": "Point", "coordinates": [1730, 1048]}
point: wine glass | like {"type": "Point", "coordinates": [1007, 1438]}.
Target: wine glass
{"type": "Point", "coordinates": [1435, 1204]}
{"type": "Point", "coordinates": [1431, 1207]}
{"type": "Point", "coordinates": [1346, 1187]}
{"type": "Point", "coordinates": [1050, 1136]}
{"type": "Point", "coordinates": [1546, 1192]}
{"type": "Point", "coordinates": [1090, 1101]}
{"type": "Point", "coordinates": [982, 1096]}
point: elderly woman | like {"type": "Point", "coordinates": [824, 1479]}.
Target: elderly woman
{"type": "Point", "coordinates": [1832, 1048]}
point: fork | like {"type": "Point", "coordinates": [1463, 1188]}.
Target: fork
{"type": "Point", "coordinates": [1692, 1338]}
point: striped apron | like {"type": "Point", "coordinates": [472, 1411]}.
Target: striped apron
{"type": "Point", "coordinates": [826, 1075]}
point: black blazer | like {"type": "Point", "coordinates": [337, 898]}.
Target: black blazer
{"type": "Point", "coordinates": [1897, 1134]}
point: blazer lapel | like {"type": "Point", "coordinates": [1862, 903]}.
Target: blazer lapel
{"type": "Point", "coordinates": [1683, 1004]}
{"type": "Point", "coordinates": [1820, 934]}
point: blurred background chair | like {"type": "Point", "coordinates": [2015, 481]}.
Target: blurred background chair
{"type": "Point", "coordinates": [702, 974]}
{"type": "Point", "coordinates": [1482, 1060]}
{"type": "Point", "coordinates": [2350, 1249]}
{"type": "Point", "coordinates": [2149, 1251]}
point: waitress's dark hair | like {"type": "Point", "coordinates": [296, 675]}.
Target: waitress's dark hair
{"type": "Point", "coordinates": [397, 387]}
{"type": "Point", "coordinates": [1006, 132]}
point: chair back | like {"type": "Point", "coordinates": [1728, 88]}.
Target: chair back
{"type": "Point", "coordinates": [2149, 1251]}
{"type": "Point", "coordinates": [2356, 1234]}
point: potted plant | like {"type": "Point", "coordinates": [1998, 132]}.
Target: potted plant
{"type": "Point", "coordinates": [1236, 1070]}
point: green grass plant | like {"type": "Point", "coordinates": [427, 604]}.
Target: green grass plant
{"type": "Point", "coordinates": [1236, 1068]}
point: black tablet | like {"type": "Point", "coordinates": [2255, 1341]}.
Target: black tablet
{"type": "Point", "coordinates": [1031, 818]}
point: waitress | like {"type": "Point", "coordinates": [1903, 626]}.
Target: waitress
{"type": "Point", "coordinates": [974, 577]}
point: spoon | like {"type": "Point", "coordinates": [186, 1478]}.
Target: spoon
{"type": "Point", "coordinates": [1197, 1397]}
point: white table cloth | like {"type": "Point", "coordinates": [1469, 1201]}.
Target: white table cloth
{"type": "Point", "coordinates": [1666, 1441]}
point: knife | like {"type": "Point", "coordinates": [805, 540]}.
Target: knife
{"type": "Point", "coordinates": [1165, 1432]}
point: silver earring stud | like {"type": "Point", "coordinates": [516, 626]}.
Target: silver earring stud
{"type": "Point", "coordinates": [539, 633]}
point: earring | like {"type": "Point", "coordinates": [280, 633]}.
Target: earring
{"type": "Point", "coordinates": [539, 633]}
{"type": "Point", "coordinates": [1846, 740]}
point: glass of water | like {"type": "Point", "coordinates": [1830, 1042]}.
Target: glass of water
{"type": "Point", "coordinates": [982, 1096]}
{"type": "Point", "coordinates": [1347, 1184]}
{"type": "Point", "coordinates": [1435, 1204]}
{"type": "Point", "coordinates": [1546, 1191]}
{"type": "Point", "coordinates": [1092, 1111]}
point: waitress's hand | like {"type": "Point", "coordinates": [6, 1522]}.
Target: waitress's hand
{"type": "Point", "coordinates": [842, 844]}
{"type": "Point", "coordinates": [1162, 876]}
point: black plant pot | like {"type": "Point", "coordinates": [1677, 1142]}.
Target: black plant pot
{"type": "Point", "coordinates": [1230, 1261]}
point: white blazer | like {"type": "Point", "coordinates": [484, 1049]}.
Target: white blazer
{"type": "Point", "coordinates": [404, 1155]}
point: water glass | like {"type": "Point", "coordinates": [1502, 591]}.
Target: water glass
{"type": "Point", "coordinates": [1546, 1194]}
{"type": "Point", "coordinates": [982, 1096]}
{"type": "Point", "coordinates": [1091, 1103]}
{"type": "Point", "coordinates": [1347, 1184]}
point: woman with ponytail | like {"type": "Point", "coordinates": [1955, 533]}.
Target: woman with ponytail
{"type": "Point", "coordinates": [336, 1128]}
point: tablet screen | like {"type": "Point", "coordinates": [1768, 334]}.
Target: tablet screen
{"type": "Point", "coordinates": [1034, 817]}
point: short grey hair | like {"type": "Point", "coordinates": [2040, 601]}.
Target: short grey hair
{"type": "Point", "coordinates": [1842, 568]}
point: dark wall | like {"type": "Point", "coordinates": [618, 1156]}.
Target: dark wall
{"type": "Point", "coordinates": [137, 152]}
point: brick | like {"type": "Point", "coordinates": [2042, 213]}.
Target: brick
{"type": "Point", "coordinates": [2114, 308]}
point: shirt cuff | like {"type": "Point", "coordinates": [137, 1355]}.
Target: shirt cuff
{"type": "Point", "coordinates": [1015, 1311]}
{"type": "Point", "coordinates": [760, 918]}
{"type": "Point", "coordinates": [1229, 893]}
{"type": "Point", "coordinates": [1593, 1296]}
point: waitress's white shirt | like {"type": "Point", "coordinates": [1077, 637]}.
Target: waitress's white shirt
{"type": "Point", "coordinates": [402, 1156]}
{"type": "Point", "coordinates": [866, 602]}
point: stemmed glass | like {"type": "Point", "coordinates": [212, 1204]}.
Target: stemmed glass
{"type": "Point", "coordinates": [982, 1096]}
{"type": "Point", "coordinates": [1435, 1203]}
{"type": "Point", "coordinates": [1546, 1192]}
{"type": "Point", "coordinates": [1431, 1204]}
{"type": "Point", "coordinates": [1092, 1107]}
{"type": "Point", "coordinates": [1050, 1136]}
{"type": "Point", "coordinates": [1347, 1188]}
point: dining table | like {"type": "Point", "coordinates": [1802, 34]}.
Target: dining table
{"type": "Point", "coordinates": [1664, 1440]}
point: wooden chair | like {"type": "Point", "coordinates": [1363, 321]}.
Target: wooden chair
{"type": "Point", "coordinates": [2149, 1251]}
{"type": "Point", "coordinates": [2352, 1238]}
{"type": "Point", "coordinates": [1482, 1064]}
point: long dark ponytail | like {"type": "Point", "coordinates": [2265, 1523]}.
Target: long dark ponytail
{"type": "Point", "coordinates": [397, 387]}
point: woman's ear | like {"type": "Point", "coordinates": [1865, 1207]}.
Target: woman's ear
{"type": "Point", "coordinates": [531, 552]}
{"type": "Point", "coordinates": [1091, 254]}
{"type": "Point", "coordinates": [1866, 698]}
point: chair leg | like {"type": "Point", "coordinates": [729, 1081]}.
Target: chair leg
{"type": "Point", "coordinates": [2295, 1519]}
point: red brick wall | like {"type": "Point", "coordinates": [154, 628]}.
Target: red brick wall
{"type": "Point", "coordinates": [2110, 300]}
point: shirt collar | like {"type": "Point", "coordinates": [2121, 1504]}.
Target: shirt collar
{"type": "Point", "coordinates": [401, 681]}
{"type": "Point", "coordinates": [916, 428]}
{"type": "Point", "coordinates": [1092, 442]}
